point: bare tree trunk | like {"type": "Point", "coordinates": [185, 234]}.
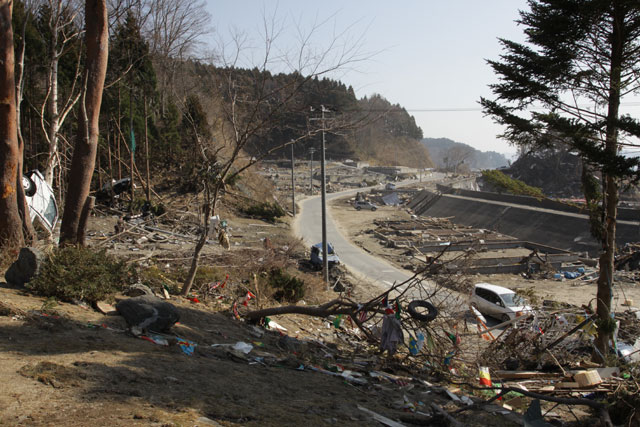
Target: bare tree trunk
{"type": "Point", "coordinates": [84, 154]}
{"type": "Point", "coordinates": [605, 280]}
{"type": "Point", "coordinates": [146, 149]}
{"type": "Point", "coordinates": [53, 159]}
{"type": "Point", "coordinates": [109, 153]}
{"type": "Point", "coordinates": [59, 24]}
{"type": "Point", "coordinates": [10, 179]}
{"type": "Point", "coordinates": [89, 204]}
{"type": "Point", "coordinates": [117, 151]}
{"type": "Point", "coordinates": [607, 258]}
{"type": "Point", "coordinates": [209, 208]}
{"type": "Point", "coordinates": [23, 208]}
{"type": "Point", "coordinates": [132, 147]}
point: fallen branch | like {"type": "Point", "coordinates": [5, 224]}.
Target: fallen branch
{"type": "Point", "coordinates": [601, 408]}
{"type": "Point", "coordinates": [566, 334]}
{"type": "Point", "coordinates": [332, 307]}
{"type": "Point", "coordinates": [452, 421]}
{"type": "Point", "coordinates": [503, 324]}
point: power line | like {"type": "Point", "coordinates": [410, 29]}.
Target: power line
{"type": "Point", "coordinates": [449, 109]}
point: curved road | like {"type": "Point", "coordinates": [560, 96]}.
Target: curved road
{"type": "Point", "coordinates": [308, 225]}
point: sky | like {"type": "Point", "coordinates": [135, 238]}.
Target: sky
{"type": "Point", "coordinates": [429, 56]}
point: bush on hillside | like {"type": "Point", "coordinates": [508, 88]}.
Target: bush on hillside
{"type": "Point", "coordinates": [75, 273]}
{"type": "Point", "coordinates": [511, 185]}
{"type": "Point", "coordinates": [266, 211]}
{"type": "Point", "coordinates": [288, 288]}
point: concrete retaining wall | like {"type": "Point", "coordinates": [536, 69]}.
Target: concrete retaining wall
{"type": "Point", "coordinates": [569, 232]}
{"type": "Point", "coordinates": [624, 214]}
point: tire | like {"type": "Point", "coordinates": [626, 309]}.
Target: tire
{"type": "Point", "coordinates": [29, 186]}
{"type": "Point", "coordinates": [373, 209]}
{"type": "Point", "coordinates": [358, 208]}
{"type": "Point", "coordinates": [505, 318]}
{"type": "Point", "coordinates": [428, 317]}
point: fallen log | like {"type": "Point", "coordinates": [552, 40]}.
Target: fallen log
{"type": "Point", "coordinates": [599, 407]}
{"type": "Point", "coordinates": [332, 307]}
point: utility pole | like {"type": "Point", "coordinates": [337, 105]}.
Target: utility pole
{"type": "Point", "coordinates": [311, 151]}
{"type": "Point", "coordinates": [325, 254]}
{"type": "Point", "coordinates": [293, 184]}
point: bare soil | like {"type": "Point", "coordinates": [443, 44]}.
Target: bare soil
{"type": "Point", "coordinates": [358, 224]}
{"type": "Point", "coordinates": [67, 364]}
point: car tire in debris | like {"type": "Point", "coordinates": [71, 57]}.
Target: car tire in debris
{"type": "Point", "coordinates": [373, 209]}
{"type": "Point", "coordinates": [425, 317]}
{"type": "Point", "coordinates": [505, 318]}
{"type": "Point", "coordinates": [358, 208]}
{"type": "Point", "coordinates": [29, 186]}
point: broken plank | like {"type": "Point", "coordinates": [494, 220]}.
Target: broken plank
{"type": "Point", "coordinates": [519, 375]}
{"type": "Point", "coordinates": [380, 418]}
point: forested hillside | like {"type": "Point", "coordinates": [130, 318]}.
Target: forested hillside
{"type": "Point", "coordinates": [165, 106]}
{"type": "Point", "coordinates": [557, 171]}
{"type": "Point", "coordinates": [450, 155]}
{"type": "Point", "coordinates": [369, 129]}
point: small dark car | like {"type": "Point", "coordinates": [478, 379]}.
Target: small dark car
{"type": "Point", "coordinates": [316, 255]}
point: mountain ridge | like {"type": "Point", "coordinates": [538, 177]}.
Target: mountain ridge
{"type": "Point", "coordinates": [452, 155]}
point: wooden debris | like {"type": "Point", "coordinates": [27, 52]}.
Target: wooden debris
{"type": "Point", "coordinates": [106, 308]}
{"type": "Point", "coordinates": [521, 375]}
{"type": "Point", "coordinates": [380, 418]}
{"type": "Point", "coordinates": [588, 378]}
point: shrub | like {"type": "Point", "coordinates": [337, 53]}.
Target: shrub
{"type": "Point", "coordinates": [141, 204]}
{"type": "Point", "coordinates": [266, 211]}
{"type": "Point", "coordinates": [511, 185]}
{"type": "Point", "coordinates": [74, 273]}
{"type": "Point", "coordinates": [288, 287]}
{"type": "Point", "coordinates": [156, 278]}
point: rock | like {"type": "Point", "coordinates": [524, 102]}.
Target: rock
{"type": "Point", "coordinates": [138, 290]}
{"type": "Point", "coordinates": [25, 267]}
{"type": "Point", "coordinates": [148, 313]}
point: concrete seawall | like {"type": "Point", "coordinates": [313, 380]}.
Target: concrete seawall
{"type": "Point", "coordinates": [563, 230]}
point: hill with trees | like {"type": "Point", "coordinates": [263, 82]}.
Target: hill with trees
{"type": "Point", "coordinates": [557, 171]}
{"type": "Point", "coordinates": [450, 155]}
{"type": "Point", "coordinates": [160, 108]}
{"type": "Point", "coordinates": [161, 103]}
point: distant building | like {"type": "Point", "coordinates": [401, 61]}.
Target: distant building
{"type": "Point", "coordinates": [392, 170]}
{"type": "Point", "coordinates": [356, 163]}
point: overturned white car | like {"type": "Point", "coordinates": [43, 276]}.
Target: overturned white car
{"type": "Point", "coordinates": [41, 200]}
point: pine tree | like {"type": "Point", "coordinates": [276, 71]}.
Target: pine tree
{"type": "Point", "coordinates": [581, 58]}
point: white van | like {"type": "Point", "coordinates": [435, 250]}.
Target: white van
{"type": "Point", "coordinates": [41, 200]}
{"type": "Point", "coordinates": [498, 302]}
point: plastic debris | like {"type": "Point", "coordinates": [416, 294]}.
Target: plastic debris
{"type": "Point", "coordinates": [156, 339]}
{"type": "Point", "coordinates": [274, 326]}
{"type": "Point", "coordinates": [392, 334]}
{"type": "Point", "coordinates": [416, 344]}
{"type": "Point", "coordinates": [187, 347]}
{"type": "Point", "coordinates": [485, 377]}
{"type": "Point", "coordinates": [242, 347]}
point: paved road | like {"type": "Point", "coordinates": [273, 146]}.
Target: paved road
{"type": "Point", "coordinates": [308, 225]}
